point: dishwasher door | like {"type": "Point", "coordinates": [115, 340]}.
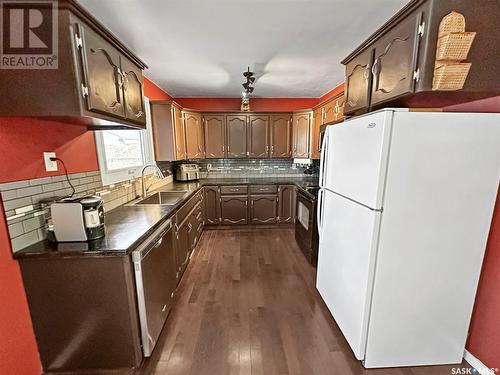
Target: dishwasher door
{"type": "Point", "coordinates": [155, 268]}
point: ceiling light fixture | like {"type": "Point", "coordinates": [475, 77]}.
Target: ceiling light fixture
{"type": "Point", "coordinates": [245, 101]}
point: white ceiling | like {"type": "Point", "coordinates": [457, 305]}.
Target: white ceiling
{"type": "Point", "coordinates": [200, 48]}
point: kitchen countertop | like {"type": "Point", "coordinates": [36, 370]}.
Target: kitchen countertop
{"type": "Point", "coordinates": [128, 225]}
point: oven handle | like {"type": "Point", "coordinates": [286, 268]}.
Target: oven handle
{"type": "Point", "coordinates": [319, 212]}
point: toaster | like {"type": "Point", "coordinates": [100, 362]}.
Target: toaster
{"type": "Point", "coordinates": [187, 172]}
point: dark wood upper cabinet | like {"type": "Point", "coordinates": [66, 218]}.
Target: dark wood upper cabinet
{"type": "Point", "coordinates": [194, 135]}
{"type": "Point", "coordinates": [215, 135]}
{"type": "Point", "coordinates": [395, 65]}
{"type": "Point", "coordinates": [180, 134]}
{"type": "Point", "coordinates": [281, 135]}
{"type": "Point", "coordinates": [102, 76]}
{"type": "Point", "coordinates": [301, 134]}
{"type": "Point", "coordinates": [236, 130]}
{"type": "Point", "coordinates": [212, 205]}
{"type": "Point", "coordinates": [258, 136]}
{"type": "Point", "coordinates": [286, 204]}
{"type": "Point", "coordinates": [395, 60]}
{"type": "Point", "coordinates": [263, 209]}
{"type": "Point", "coordinates": [168, 131]}
{"type": "Point", "coordinates": [339, 107]}
{"type": "Point", "coordinates": [97, 83]}
{"type": "Point", "coordinates": [358, 82]}
{"type": "Point", "coordinates": [329, 112]}
{"type": "Point", "coordinates": [315, 133]}
{"type": "Point", "coordinates": [133, 94]}
{"type": "Point", "coordinates": [234, 209]}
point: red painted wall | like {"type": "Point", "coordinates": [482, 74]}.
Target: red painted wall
{"type": "Point", "coordinates": [153, 92]}
{"type": "Point", "coordinates": [18, 350]}
{"type": "Point", "coordinates": [256, 104]}
{"type": "Point", "coordinates": [22, 142]}
{"type": "Point", "coordinates": [332, 93]}
{"type": "Point", "coordinates": [484, 332]}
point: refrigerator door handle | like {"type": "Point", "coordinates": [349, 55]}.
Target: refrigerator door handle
{"type": "Point", "coordinates": [319, 212]}
{"type": "Point", "coordinates": [324, 154]}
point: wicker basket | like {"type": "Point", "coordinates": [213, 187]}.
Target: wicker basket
{"type": "Point", "coordinates": [450, 76]}
{"type": "Point", "coordinates": [452, 23]}
{"type": "Point", "coordinates": [454, 46]}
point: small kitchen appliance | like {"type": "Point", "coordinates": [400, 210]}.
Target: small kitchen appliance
{"type": "Point", "coordinates": [187, 172]}
{"type": "Point", "coordinates": [77, 219]}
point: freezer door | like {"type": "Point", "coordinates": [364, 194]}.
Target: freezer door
{"type": "Point", "coordinates": [347, 252]}
{"type": "Point", "coordinates": [356, 158]}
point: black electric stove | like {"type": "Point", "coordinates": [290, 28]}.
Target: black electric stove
{"type": "Point", "coordinates": [306, 229]}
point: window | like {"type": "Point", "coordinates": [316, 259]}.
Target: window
{"type": "Point", "coordinates": [123, 153]}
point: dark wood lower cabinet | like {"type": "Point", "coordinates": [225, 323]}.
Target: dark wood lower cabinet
{"type": "Point", "coordinates": [286, 204]}
{"type": "Point", "coordinates": [182, 248]}
{"type": "Point", "coordinates": [212, 205]}
{"type": "Point", "coordinates": [263, 209]}
{"type": "Point", "coordinates": [188, 226]}
{"type": "Point", "coordinates": [234, 209]}
{"type": "Point", "coordinates": [85, 303]}
{"type": "Point", "coordinates": [254, 204]}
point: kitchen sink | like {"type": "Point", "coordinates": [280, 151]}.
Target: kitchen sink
{"type": "Point", "coordinates": [163, 198]}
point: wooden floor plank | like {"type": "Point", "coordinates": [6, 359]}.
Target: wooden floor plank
{"type": "Point", "coordinates": [248, 305]}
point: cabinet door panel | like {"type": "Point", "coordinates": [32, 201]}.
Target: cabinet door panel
{"type": "Point", "coordinates": [234, 210]}
{"type": "Point", "coordinates": [339, 108]}
{"type": "Point", "coordinates": [215, 136]}
{"type": "Point", "coordinates": [212, 205]}
{"type": "Point", "coordinates": [194, 135]}
{"type": "Point", "coordinates": [180, 134]}
{"type": "Point", "coordinates": [133, 92]}
{"type": "Point", "coordinates": [329, 112]}
{"type": "Point", "coordinates": [236, 128]}
{"type": "Point", "coordinates": [194, 232]}
{"type": "Point", "coordinates": [182, 245]}
{"type": "Point", "coordinates": [263, 209]}
{"type": "Point", "coordinates": [301, 130]}
{"type": "Point", "coordinates": [395, 61]}
{"type": "Point", "coordinates": [315, 133]}
{"type": "Point", "coordinates": [281, 136]}
{"type": "Point", "coordinates": [258, 136]}
{"type": "Point", "coordinates": [286, 204]}
{"type": "Point", "coordinates": [102, 75]}
{"type": "Point", "coordinates": [358, 82]}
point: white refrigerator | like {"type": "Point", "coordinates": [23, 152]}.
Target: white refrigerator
{"type": "Point", "coordinates": [404, 212]}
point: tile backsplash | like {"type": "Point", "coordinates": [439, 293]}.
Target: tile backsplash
{"type": "Point", "coordinates": [26, 214]}
{"type": "Point", "coordinates": [238, 168]}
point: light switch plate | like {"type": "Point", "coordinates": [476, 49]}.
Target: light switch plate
{"type": "Point", "coordinates": [50, 166]}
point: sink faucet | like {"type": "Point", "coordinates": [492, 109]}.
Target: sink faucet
{"type": "Point", "coordinates": [158, 171]}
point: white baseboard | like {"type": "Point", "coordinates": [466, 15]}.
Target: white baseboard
{"type": "Point", "coordinates": [478, 365]}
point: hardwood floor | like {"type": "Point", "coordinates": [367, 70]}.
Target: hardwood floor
{"type": "Point", "coordinates": [248, 305]}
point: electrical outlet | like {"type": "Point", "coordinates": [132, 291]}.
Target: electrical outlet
{"type": "Point", "coordinates": [50, 166]}
{"type": "Point", "coordinates": [209, 167]}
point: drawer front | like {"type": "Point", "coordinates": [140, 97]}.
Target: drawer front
{"type": "Point", "coordinates": [263, 189]}
{"type": "Point", "coordinates": [226, 190]}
